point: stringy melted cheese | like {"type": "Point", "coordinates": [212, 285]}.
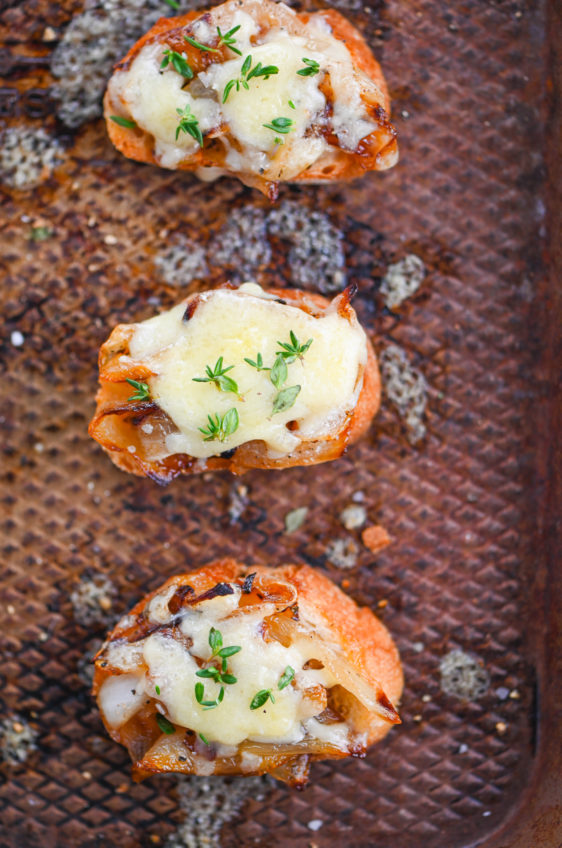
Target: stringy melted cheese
{"type": "Point", "coordinates": [169, 665]}
{"type": "Point", "coordinates": [237, 325]}
{"type": "Point", "coordinates": [151, 96]}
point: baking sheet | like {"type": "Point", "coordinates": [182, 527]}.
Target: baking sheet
{"type": "Point", "coordinates": [104, 240]}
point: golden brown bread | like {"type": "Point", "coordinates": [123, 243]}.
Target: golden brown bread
{"type": "Point", "coordinates": [118, 423]}
{"type": "Point", "coordinates": [375, 150]}
{"type": "Point", "coordinates": [296, 608]}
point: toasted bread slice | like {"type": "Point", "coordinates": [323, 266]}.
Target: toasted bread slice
{"type": "Point", "coordinates": [238, 670]}
{"type": "Point", "coordinates": [209, 105]}
{"type": "Point", "coordinates": [296, 409]}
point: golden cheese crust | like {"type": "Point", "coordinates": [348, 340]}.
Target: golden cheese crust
{"type": "Point", "coordinates": [117, 423]}
{"type": "Point", "coordinates": [352, 633]}
{"type": "Point", "coordinates": [376, 151]}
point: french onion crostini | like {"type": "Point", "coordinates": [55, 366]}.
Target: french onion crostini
{"type": "Point", "coordinates": [255, 90]}
{"type": "Point", "coordinates": [236, 670]}
{"type": "Point", "coordinates": [236, 379]}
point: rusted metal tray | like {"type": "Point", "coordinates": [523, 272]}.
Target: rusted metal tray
{"type": "Point", "coordinates": [469, 487]}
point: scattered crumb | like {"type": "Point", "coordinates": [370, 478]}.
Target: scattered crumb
{"type": "Point", "coordinates": [417, 717]}
{"type": "Point", "coordinates": [353, 516]}
{"type": "Point", "coordinates": [87, 775]}
{"type": "Point", "coordinates": [418, 647]}
{"type": "Point", "coordinates": [85, 665]}
{"type": "Point", "coordinates": [402, 279]}
{"type": "Point", "coordinates": [181, 262]}
{"type": "Point", "coordinates": [17, 739]}
{"type": "Point", "coordinates": [358, 497]}
{"type": "Point", "coordinates": [502, 692]}
{"type": "Point", "coordinates": [10, 609]}
{"type": "Point", "coordinates": [315, 824]}
{"type": "Point", "coordinates": [295, 519]}
{"type": "Point", "coordinates": [406, 388]}
{"type": "Point", "coordinates": [122, 788]}
{"type": "Point", "coordinates": [501, 727]}
{"type": "Point", "coordinates": [92, 43]}
{"type": "Point", "coordinates": [316, 257]}
{"type": "Point", "coordinates": [487, 813]}
{"type": "Point", "coordinates": [382, 604]}
{"type": "Point", "coordinates": [343, 553]}
{"type": "Point", "coordinates": [426, 699]}
{"type": "Point", "coordinates": [92, 600]}
{"type": "Point", "coordinates": [241, 246]}
{"type": "Point", "coordinates": [239, 500]}
{"type": "Point", "coordinates": [462, 749]}
{"type": "Point", "coordinates": [27, 156]}
{"type": "Point", "coordinates": [463, 676]}
{"type": "Point", "coordinates": [110, 239]}
{"type": "Point", "coordinates": [375, 538]}
{"type": "Point", "coordinates": [514, 695]}
{"type": "Point", "coordinates": [211, 803]}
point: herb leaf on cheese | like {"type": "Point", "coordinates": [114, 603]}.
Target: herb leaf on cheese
{"type": "Point", "coordinates": [286, 677]}
{"type": "Point", "coordinates": [142, 390]}
{"type": "Point", "coordinates": [257, 363]}
{"type": "Point", "coordinates": [246, 74]}
{"type": "Point", "coordinates": [260, 699]}
{"type": "Point", "coordinates": [217, 376]}
{"type": "Point", "coordinates": [220, 427]}
{"type": "Point", "coordinates": [165, 724]}
{"type": "Point", "coordinates": [312, 68]}
{"type": "Point", "coordinates": [278, 374]}
{"type": "Point", "coordinates": [189, 124]}
{"type": "Point", "coordinates": [228, 40]}
{"type": "Point", "coordinates": [294, 349]}
{"type": "Point", "coordinates": [178, 63]}
{"type": "Point", "coordinates": [123, 122]}
{"type": "Point", "coordinates": [285, 399]}
{"type": "Point", "coordinates": [200, 46]}
{"type": "Point", "coordinates": [280, 125]}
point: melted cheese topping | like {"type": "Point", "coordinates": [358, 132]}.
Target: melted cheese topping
{"type": "Point", "coordinates": [171, 666]}
{"type": "Point", "coordinates": [151, 95]}
{"type": "Point", "coordinates": [237, 325]}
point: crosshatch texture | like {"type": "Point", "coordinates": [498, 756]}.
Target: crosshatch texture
{"type": "Point", "coordinates": [467, 86]}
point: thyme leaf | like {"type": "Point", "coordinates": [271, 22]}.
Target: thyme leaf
{"type": "Point", "coordinates": [228, 40]}
{"type": "Point", "coordinates": [200, 46]}
{"type": "Point", "coordinates": [246, 74]}
{"type": "Point", "coordinates": [189, 124]}
{"type": "Point", "coordinates": [217, 376]}
{"type": "Point", "coordinates": [286, 677]}
{"type": "Point", "coordinates": [142, 390]}
{"type": "Point", "coordinates": [257, 363]}
{"type": "Point", "coordinates": [123, 122]}
{"type": "Point", "coordinates": [280, 125]}
{"type": "Point", "coordinates": [312, 68]}
{"type": "Point", "coordinates": [220, 427]}
{"type": "Point", "coordinates": [293, 350]}
{"type": "Point", "coordinates": [165, 724]}
{"type": "Point", "coordinates": [172, 4]}
{"type": "Point", "coordinates": [260, 698]}
{"type": "Point", "coordinates": [178, 62]}
{"type": "Point", "coordinates": [278, 374]}
{"type": "Point", "coordinates": [285, 399]}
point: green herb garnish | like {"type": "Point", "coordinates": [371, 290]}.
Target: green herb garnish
{"type": "Point", "coordinates": [41, 233]}
{"type": "Point", "coordinates": [278, 374]}
{"type": "Point", "coordinates": [260, 699]}
{"type": "Point", "coordinates": [189, 124]}
{"type": "Point", "coordinates": [178, 62]}
{"type": "Point", "coordinates": [142, 390]}
{"type": "Point", "coordinates": [312, 68]}
{"type": "Point", "coordinates": [200, 46]}
{"type": "Point", "coordinates": [286, 677]}
{"type": "Point", "coordinates": [165, 724]}
{"type": "Point", "coordinates": [246, 74]}
{"type": "Point", "coordinates": [157, 689]}
{"type": "Point", "coordinates": [285, 399]}
{"type": "Point", "coordinates": [280, 125]}
{"type": "Point", "coordinates": [220, 427]}
{"type": "Point", "coordinates": [172, 4]}
{"type": "Point", "coordinates": [228, 40]}
{"type": "Point", "coordinates": [257, 363]}
{"type": "Point", "coordinates": [217, 376]}
{"type": "Point", "coordinates": [291, 104]}
{"type": "Point", "coordinates": [293, 350]}
{"type": "Point", "coordinates": [204, 739]}
{"type": "Point", "coordinates": [123, 122]}
{"type": "Point", "coordinates": [200, 695]}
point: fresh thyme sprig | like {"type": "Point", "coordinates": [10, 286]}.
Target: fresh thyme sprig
{"type": "Point", "coordinates": [220, 427]}
{"type": "Point", "coordinates": [312, 68]}
{"type": "Point", "coordinates": [217, 675]}
{"type": "Point", "coordinates": [260, 699]}
{"type": "Point", "coordinates": [246, 74]}
{"type": "Point", "coordinates": [165, 724]}
{"type": "Point", "coordinates": [279, 371]}
{"type": "Point", "coordinates": [294, 349]}
{"type": "Point", "coordinates": [280, 125]}
{"type": "Point", "coordinates": [142, 390]}
{"type": "Point", "coordinates": [257, 363]}
{"type": "Point", "coordinates": [217, 376]}
{"type": "Point", "coordinates": [178, 63]}
{"type": "Point", "coordinates": [286, 677]}
{"type": "Point", "coordinates": [123, 122]}
{"type": "Point", "coordinates": [189, 124]}
{"type": "Point", "coordinates": [200, 46]}
{"type": "Point", "coordinates": [228, 40]}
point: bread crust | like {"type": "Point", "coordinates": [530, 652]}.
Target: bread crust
{"type": "Point", "coordinates": [377, 151]}
{"type": "Point", "coordinates": [354, 631]}
{"type": "Point", "coordinates": [114, 428]}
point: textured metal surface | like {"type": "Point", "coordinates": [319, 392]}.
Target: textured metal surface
{"type": "Point", "coordinates": [463, 507]}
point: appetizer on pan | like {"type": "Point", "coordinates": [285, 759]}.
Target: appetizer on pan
{"type": "Point", "coordinates": [236, 379]}
{"type": "Point", "coordinates": [255, 90]}
{"type": "Point", "coordinates": [231, 670]}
